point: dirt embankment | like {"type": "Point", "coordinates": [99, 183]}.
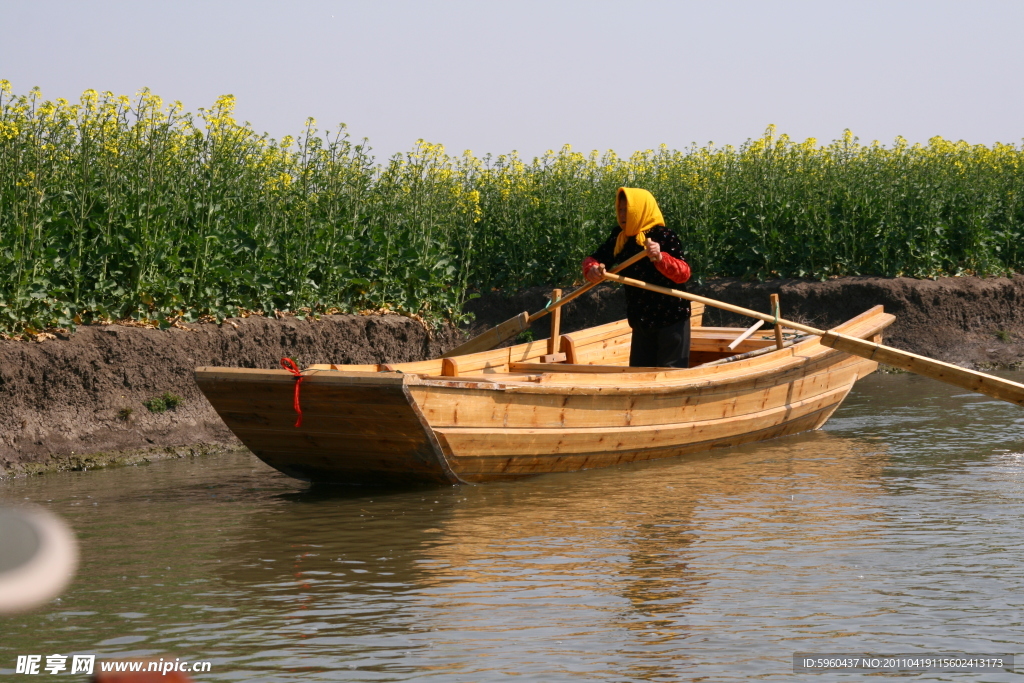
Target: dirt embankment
{"type": "Point", "coordinates": [77, 402]}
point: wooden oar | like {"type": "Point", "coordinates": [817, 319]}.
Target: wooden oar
{"type": "Point", "coordinates": [990, 385]}
{"type": "Point", "coordinates": [488, 339]}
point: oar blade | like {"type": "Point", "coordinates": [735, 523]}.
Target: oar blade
{"type": "Point", "coordinates": [485, 341]}
{"type": "Point", "coordinates": [990, 385]}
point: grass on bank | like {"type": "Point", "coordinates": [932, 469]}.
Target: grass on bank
{"type": "Point", "coordinates": [118, 207]}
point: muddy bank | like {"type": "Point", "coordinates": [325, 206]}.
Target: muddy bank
{"type": "Point", "coordinates": [77, 402]}
{"type": "Point", "coordinates": [969, 321]}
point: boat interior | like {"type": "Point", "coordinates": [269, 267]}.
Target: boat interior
{"type": "Point", "coordinates": [587, 353]}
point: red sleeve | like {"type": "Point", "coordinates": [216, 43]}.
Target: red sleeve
{"type": "Point", "coordinates": [589, 263]}
{"type": "Point", "coordinates": [675, 269]}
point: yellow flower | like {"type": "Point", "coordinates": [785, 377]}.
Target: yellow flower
{"type": "Point", "coordinates": [8, 130]}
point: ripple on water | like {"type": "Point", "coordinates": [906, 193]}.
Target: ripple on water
{"type": "Point", "coordinates": [894, 529]}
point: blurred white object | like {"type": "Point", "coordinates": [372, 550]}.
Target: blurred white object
{"type": "Point", "coordinates": [38, 557]}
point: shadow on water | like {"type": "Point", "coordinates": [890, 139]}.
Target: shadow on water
{"type": "Point", "coordinates": [319, 493]}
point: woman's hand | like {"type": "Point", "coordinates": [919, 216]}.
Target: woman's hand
{"type": "Point", "coordinates": [595, 273]}
{"type": "Point", "coordinates": [653, 250]}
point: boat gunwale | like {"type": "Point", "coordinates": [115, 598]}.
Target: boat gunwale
{"type": "Point", "coordinates": [776, 362]}
{"type": "Point", "coordinates": [698, 378]}
{"type": "Point", "coordinates": [724, 383]}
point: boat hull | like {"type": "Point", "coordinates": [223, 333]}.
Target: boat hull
{"type": "Point", "coordinates": [355, 429]}
{"type": "Point", "coordinates": [393, 427]}
{"type": "Point", "coordinates": [576, 430]}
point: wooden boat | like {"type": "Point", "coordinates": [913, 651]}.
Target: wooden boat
{"type": "Point", "coordinates": [504, 413]}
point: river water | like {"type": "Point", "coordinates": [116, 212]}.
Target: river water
{"type": "Point", "coordinates": [896, 529]}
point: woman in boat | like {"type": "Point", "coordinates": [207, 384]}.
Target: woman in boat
{"type": "Point", "coordinates": [661, 324]}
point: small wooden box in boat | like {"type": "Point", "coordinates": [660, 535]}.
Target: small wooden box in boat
{"type": "Point", "coordinates": [503, 414]}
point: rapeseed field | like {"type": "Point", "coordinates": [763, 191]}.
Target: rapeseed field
{"type": "Point", "coordinates": [122, 207]}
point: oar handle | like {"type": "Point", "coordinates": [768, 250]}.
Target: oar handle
{"type": "Point", "coordinates": [534, 317]}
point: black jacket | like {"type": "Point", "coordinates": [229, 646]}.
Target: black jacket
{"type": "Point", "coordinates": [644, 309]}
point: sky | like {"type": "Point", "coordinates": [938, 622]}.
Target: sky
{"type": "Point", "coordinates": [493, 77]}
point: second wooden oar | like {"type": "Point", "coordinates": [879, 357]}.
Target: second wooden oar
{"type": "Point", "coordinates": [990, 385]}
{"type": "Point", "coordinates": [743, 337]}
{"type": "Point", "coordinates": [488, 339]}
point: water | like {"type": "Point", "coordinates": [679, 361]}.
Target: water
{"type": "Point", "coordinates": [895, 529]}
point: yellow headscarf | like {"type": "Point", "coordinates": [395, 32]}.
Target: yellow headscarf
{"type": "Point", "coordinates": [642, 214]}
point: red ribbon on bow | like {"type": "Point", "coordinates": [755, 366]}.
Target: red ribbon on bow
{"type": "Point", "coordinates": [289, 365]}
